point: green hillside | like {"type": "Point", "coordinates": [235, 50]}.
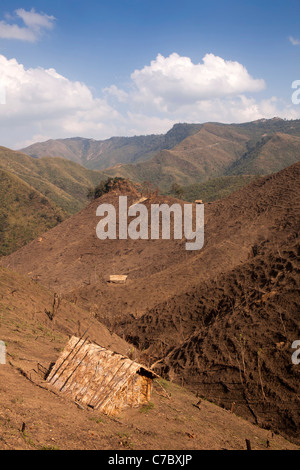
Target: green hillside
{"type": "Point", "coordinates": [62, 181]}
{"type": "Point", "coordinates": [186, 155]}
{"type": "Point", "coordinates": [101, 154]}
{"type": "Point", "coordinates": [268, 155]}
{"type": "Point", "coordinates": [213, 189]}
{"type": "Point", "coordinates": [24, 213]}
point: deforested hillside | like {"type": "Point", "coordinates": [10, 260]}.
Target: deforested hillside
{"type": "Point", "coordinates": [220, 320]}
{"type": "Point", "coordinates": [229, 339]}
{"type": "Point", "coordinates": [33, 417]}
{"type": "Point", "coordinates": [72, 259]}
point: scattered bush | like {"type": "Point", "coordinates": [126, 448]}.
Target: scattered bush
{"type": "Point", "coordinates": [106, 186]}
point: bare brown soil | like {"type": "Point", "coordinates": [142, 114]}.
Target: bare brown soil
{"type": "Point", "coordinates": [221, 320]}
{"type": "Point", "coordinates": [230, 339]}
{"type": "Point", "coordinates": [33, 417]}
{"type": "Point", "coordinates": [53, 422]}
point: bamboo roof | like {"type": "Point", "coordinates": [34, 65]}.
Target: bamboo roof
{"type": "Point", "coordinates": [118, 279]}
{"type": "Point", "coordinates": [93, 375]}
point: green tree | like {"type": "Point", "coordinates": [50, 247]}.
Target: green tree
{"type": "Point", "coordinates": [177, 190]}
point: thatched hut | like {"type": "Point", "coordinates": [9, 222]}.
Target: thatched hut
{"type": "Point", "coordinates": [99, 378]}
{"type": "Point", "coordinates": [118, 279]}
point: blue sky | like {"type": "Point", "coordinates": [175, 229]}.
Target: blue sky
{"type": "Point", "coordinates": [138, 66]}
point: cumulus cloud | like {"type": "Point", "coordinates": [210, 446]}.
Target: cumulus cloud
{"type": "Point", "coordinates": [172, 82]}
{"type": "Point", "coordinates": [34, 24]}
{"type": "Point", "coordinates": [239, 109]}
{"type": "Point", "coordinates": [115, 92]}
{"type": "Point", "coordinates": [42, 104]}
{"type": "Point", "coordinates": [175, 89]}
{"type": "Point", "coordinates": [294, 41]}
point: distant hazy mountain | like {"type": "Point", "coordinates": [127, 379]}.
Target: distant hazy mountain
{"type": "Point", "coordinates": [189, 154]}
{"type": "Point", "coordinates": [217, 150]}
{"type": "Point", "coordinates": [101, 154]}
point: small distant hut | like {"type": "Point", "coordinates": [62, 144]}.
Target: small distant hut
{"type": "Point", "coordinates": [2, 353]}
{"type": "Point", "coordinates": [101, 379]}
{"type": "Point", "coordinates": [118, 279]}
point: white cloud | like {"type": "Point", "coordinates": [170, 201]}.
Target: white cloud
{"type": "Point", "coordinates": [35, 138]}
{"type": "Point", "coordinates": [35, 24]}
{"type": "Point", "coordinates": [115, 92]}
{"type": "Point", "coordinates": [141, 124]}
{"type": "Point", "coordinates": [173, 89]}
{"type": "Point", "coordinates": [35, 20]}
{"type": "Point", "coordinates": [239, 109]}
{"type": "Point", "coordinates": [170, 83]}
{"type": "Point", "coordinates": [42, 104]}
{"type": "Point", "coordinates": [294, 41]}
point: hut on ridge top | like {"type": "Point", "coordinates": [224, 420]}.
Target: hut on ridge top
{"type": "Point", "coordinates": [99, 378]}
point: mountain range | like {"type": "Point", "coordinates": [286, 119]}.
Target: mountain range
{"type": "Point", "coordinates": [187, 154]}
{"type": "Point", "coordinates": [101, 154]}
{"type": "Point", "coordinates": [219, 150]}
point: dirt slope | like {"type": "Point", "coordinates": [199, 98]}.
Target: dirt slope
{"type": "Point", "coordinates": [224, 318]}
{"type": "Point", "coordinates": [229, 339]}
{"type": "Point", "coordinates": [32, 417]}
{"type": "Point", "coordinates": [72, 260]}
